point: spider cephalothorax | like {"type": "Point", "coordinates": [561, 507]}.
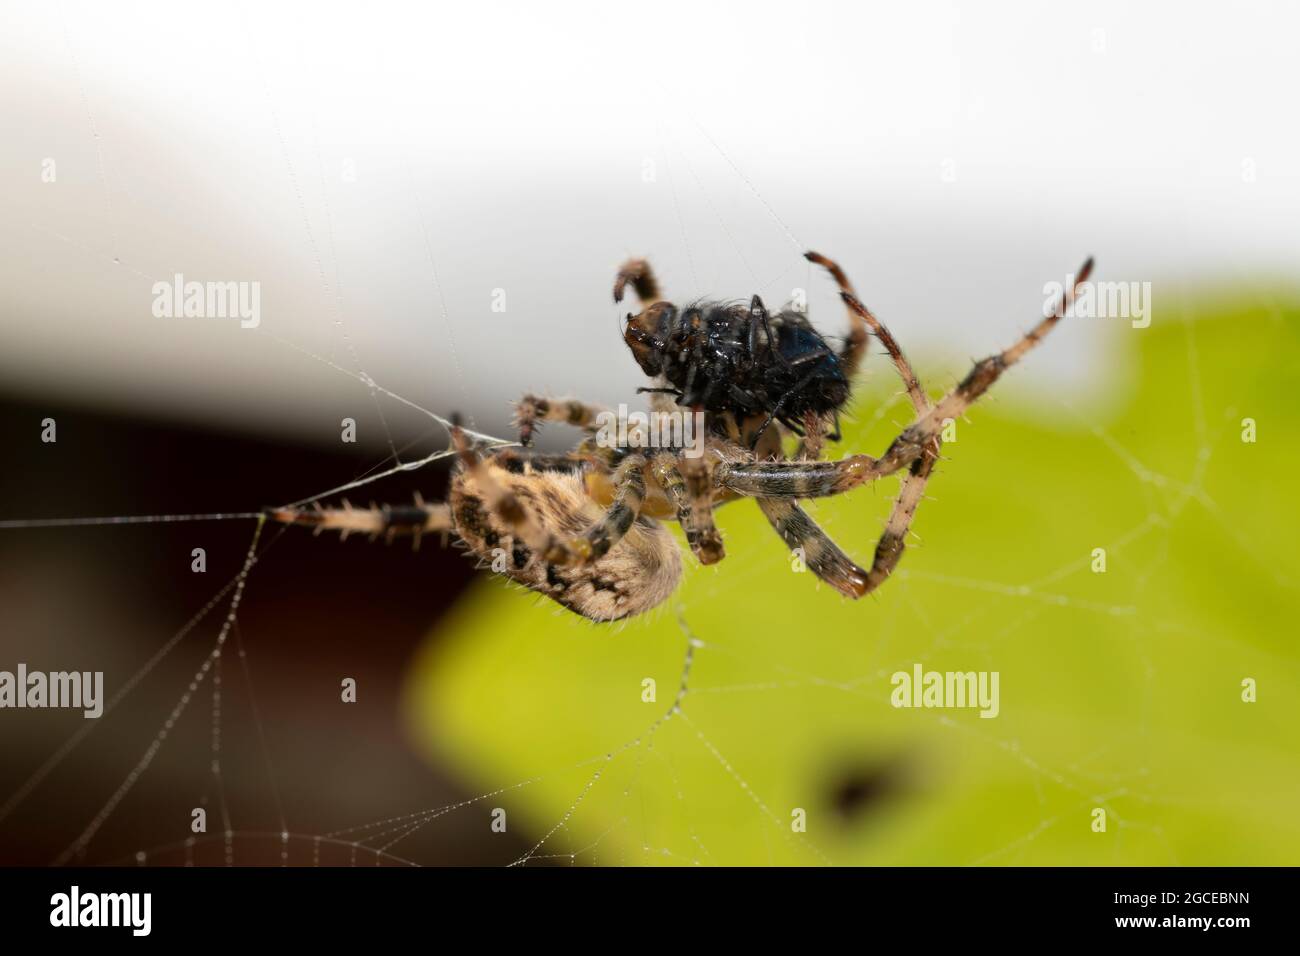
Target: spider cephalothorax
{"type": "Point", "coordinates": [583, 528]}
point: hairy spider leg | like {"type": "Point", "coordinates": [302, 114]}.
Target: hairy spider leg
{"type": "Point", "coordinates": [855, 343]}
{"type": "Point", "coordinates": [693, 502]}
{"type": "Point", "coordinates": [629, 496]}
{"type": "Point", "coordinates": [819, 479]}
{"type": "Point", "coordinates": [383, 521]}
{"type": "Point", "coordinates": [532, 410]}
{"type": "Point", "coordinates": [916, 447]}
{"type": "Point", "coordinates": [821, 555]}
{"type": "Point", "coordinates": [893, 540]}
{"type": "Point", "coordinates": [641, 277]}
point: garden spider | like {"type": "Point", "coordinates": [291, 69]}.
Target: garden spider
{"type": "Point", "coordinates": [583, 527]}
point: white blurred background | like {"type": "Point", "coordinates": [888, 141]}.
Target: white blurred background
{"type": "Point", "coordinates": [382, 170]}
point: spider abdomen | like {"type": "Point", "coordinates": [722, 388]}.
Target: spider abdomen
{"type": "Point", "coordinates": [638, 573]}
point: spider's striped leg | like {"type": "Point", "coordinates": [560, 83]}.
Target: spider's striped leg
{"type": "Point", "coordinates": [776, 484]}
{"type": "Point", "coordinates": [855, 343]}
{"type": "Point", "coordinates": [526, 460]}
{"type": "Point", "coordinates": [532, 410]}
{"type": "Point", "coordinates": [822, 556]}
{"type": "Point", "coordinates": [629, 494]}
{"type": "Point", "coordinates": [686, 483]}
{"type": "Point", "coordinates": [925, 432]}
{"type": "Point", "coordinates": [822, 479]}
{"type": "Point", "coordinates": [862, 323]}
{"type": "Point", "coordinates": [983, 375]}
{"type": "Point", "coordinates": [904, 367]}
{"type": "Point", "coordinates": [893, 540]}
{"type": "Point", "coordinates": [804, 479]}
{"type": "Point", "coordinates": [918, 446]}
{"type": "Point", "coordinates": [386, 521]}
{"type": "Point", "coordinates": [699, 496]}
{"type": "Point", "coordinates": [814, 479]}
{"type": "Point", "coordinates": [820, 553]}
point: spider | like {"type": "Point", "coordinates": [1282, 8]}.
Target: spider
{"type": "Point", "coordinates": [584, 527]}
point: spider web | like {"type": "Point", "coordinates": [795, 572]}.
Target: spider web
{"type": "Point", "coordinates": [653, 794]}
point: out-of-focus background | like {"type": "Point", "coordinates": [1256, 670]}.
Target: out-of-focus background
{"type": "Point", "coordinates": [435, 200]}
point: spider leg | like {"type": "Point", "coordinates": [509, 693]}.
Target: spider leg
{"type": "Point", "coordinates": [638, 273]}
{"type": "Point", "coordinates": [414, 520]}
{"type": "Point", "coordinates": [525, 459]}
{"type": "Point", "coordinates": [863, 324]}
{"type": "Point", "coordinates": [814, 479]}
{"type": "Point", "coordinates": [918, 445]}
{"type": "Point", "coordinates": [855, 343]}
{"type": "Point", "coordinates": [904, 367]}
{"type": "Point", "coordinates": [686, 483]}
{"type": "Point", "coordinates": [532, 410]}
{"type": "Point", "coordinates": [984, 373]}
{"type": "Point", "coordinates": [822, 479]}
{"type": "Point", "coordinates": [629, 494]}
{"type": "Point", "coordinates": [822, 556]}
{"type": "Point", "coordinates": [803, 479]}
{"type": "Point", "coordinates": [893, 540]}
{"type": "Point", "coordinates": [386, 521]}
